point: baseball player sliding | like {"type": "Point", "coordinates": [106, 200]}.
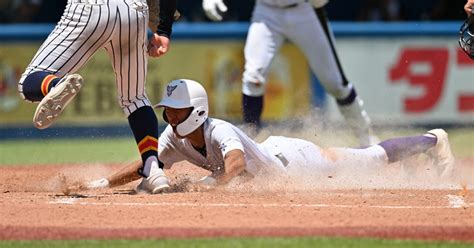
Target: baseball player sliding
{"type": "Point", "coordinates": [225, 151]}
{"type": "Point", "coordinates": [274, 21]}
{"type": "Point", "coordinates": [119, 26]}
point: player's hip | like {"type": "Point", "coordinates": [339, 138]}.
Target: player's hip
{"type": "Point", "coordinates": [293, 151]}
{"type": "Point", "coordinates": [283, 4]}
{"type": "Point", "coordinates": [281, 19]}
{"type": "Point", "coordinates": [109, 8]}
{"type": "Point", "coordinates": [104, 2]}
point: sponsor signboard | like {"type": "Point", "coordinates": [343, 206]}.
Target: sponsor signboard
{"type": "Point", "coordinates": [217, 64]}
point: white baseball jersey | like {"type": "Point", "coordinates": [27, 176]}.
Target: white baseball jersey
{"type": "Point", "coordinates": [120, 26]}
{"type": "Point", "coordinates": [274, 156]}
{"type": "Point", "coordinates": [277, 155]}
{"type": "Point", "coordinates": [274, 22]}
{"type": "Point", "coordinates": [220, 138]}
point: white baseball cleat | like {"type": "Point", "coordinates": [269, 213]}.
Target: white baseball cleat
{"type": "Point", "coordinates": [441, 153]}
{"type": "Point", "coordinates": [154, 184]}
{"type": "Point", "coordinates": [56, 100]}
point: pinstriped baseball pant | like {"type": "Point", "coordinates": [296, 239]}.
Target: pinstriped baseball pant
{"type": "Point", "coordinates": [119, 26]}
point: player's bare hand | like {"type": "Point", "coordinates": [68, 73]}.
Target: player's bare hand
{"type": "Point", "coordinates": [158, 45]}
{"type": "Point", "coordinates": [468, 7]}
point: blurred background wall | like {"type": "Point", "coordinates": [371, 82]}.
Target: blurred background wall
{"type": "Point", "coordinates": [402, 55]}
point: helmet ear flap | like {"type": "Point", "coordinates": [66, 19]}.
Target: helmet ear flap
{"type": "Point", "coordinates": [195, 119]}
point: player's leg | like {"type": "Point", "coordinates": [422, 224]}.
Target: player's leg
{"type": "Point", "coordinates": [304, 159]}
{"type": "Point", "coordinates": [351, 106]}
{"type": "Point", "coordinates": [82, 30]}
{"type": "Point", "coordinates": [127, 50]}
{"type": "Point", "coordinates": [316, 42]}
{"type": "Point", "coordinates": [263, 42]}
{"type": "Point", "coordinates": [296, 156]}
{"type": "Point", "coordinates": [434, 143]}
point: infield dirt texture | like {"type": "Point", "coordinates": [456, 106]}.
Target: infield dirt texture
{"type": "Point", "coordinates": [389, 203]}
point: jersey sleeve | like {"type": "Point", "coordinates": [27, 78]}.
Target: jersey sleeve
{"type": "Point", "coordinates": [227, 139]}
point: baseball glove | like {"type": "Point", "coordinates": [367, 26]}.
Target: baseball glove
{"type": "Point", "coordinates": [154, 14]}
{"type": "Point", "coordinates": [466, 36]}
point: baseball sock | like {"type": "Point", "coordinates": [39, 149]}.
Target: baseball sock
{"type": "Point", "coordinates": [400, 148]}
{"type": "Point", "coordinates": [144, 125]}
{"type": "Point", "coordinates": [38, 84]}
{"type": "Point", "coordinates": [252, 108]}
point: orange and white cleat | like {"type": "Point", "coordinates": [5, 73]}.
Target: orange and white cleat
{"type": "Point", "coordinates": [56, 100]}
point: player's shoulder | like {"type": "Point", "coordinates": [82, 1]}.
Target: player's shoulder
{"type": "Point", "coordinates": [217, 126]}
{"type": "Point", "coordinates": [214, 122]}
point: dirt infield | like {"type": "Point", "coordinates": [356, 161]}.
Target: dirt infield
{"type": "Point", "coordinates": [33, 207]}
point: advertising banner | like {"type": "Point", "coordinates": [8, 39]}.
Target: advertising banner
{"type": "Point", "coordinates": [410, 80]}
{"type": "Point", "coordinates": [216, 64]}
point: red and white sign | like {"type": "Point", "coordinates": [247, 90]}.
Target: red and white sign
{"type": "Point", "coordinates": [422, 80]}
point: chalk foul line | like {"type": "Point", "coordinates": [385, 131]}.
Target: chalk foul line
{"type": "Point", "coordinates": [453, 202]}
{"type": "Point", "coordinates": [456, 201]}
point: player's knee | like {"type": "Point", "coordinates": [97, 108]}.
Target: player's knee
{"type": "Point", "coordinates": [20, 87]}
{"type": "Point", "coordinates": [253, 83]}
{"type": "Point", "coordinates": [253, 89]}
{"type": "Point", "coordinates": [254, 75]}
{"type": "Point", "coordinates": [128, 107]}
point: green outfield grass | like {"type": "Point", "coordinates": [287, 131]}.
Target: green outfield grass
{"type": "Point", "coordinates": [64, 151]}
{"type": "Point", "coordinates": [239, 242]}
{"type": "Point", "coordinates": [119, 150]}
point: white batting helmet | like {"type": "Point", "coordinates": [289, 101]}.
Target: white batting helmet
{"type": "Point", "coordinates": [186, 93]}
